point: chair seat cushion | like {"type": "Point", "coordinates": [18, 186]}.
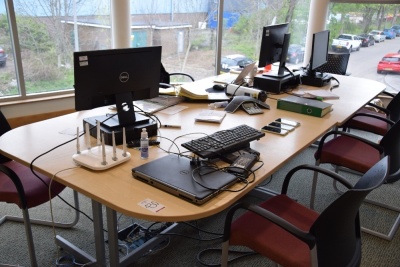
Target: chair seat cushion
{"type": "Point", "coordinates": [350, 153]}
{"type": "Point", "coordinates": [272, 241]}
{"type": "Point", "coordinates": [36, 191]}
{"type": "Point", "coordinates": [369, 124]}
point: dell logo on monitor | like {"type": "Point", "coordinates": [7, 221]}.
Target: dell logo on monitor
{"type": "Point", "coordinates": [124, 77]}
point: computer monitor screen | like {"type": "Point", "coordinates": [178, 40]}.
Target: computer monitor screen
{"type": "Point", "coordinates": [274, 47]}
{"type": "Point", "coordinates": [319, 51]}
{"type": "Point", "coordinates": [116, 76]}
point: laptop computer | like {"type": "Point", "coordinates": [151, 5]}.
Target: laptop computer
{"type": "Point", "coordinates": [174, 174]}
{"type": "Point", "coordinates": [239, 79]}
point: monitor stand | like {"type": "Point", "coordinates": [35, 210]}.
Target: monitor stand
{"type": "Point", "coordinates": [275, 74]}
{"type": "Point", "coordinates": [132, 131]}
{"type": "Point", "coordinates": [125, 118]}
{"type": "Point", "coordinates": [317, 79]}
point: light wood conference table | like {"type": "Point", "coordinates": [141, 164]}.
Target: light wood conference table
{"type": "Point", "coordinates": [116, 189]}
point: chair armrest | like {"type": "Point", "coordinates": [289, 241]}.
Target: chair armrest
{"type": "Point", "coordinates": [371, 115]}
{"type": "Point", "coordinates": [165, 85]}
{"type": "Point", "coordinates": [17, 182]}
{"type": "Point", "coordinates": [285, 225]}
{"type": "Point", "coordinates": [388, 94]}
{"type": "Point", "coordinates": [329, 173]}
{"type": "Point", "coordinates": [181, 73]}
{"type": "Point", "coordinates": [385, 110]}
{"type": "Point", "coordinates": [335, 132]}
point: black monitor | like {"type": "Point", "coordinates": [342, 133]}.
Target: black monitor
{"type": "Point", "coordinates": [274, 48]}
{"type": "Point", "coordinates": [319, 53]}
{"type": "Point", "coordinates": [117, 76]}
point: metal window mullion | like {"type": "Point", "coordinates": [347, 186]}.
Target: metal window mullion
{"type": "Point", "coordinates": [16, 47]}
{"type": "Point", "coordinates": [220, 27]}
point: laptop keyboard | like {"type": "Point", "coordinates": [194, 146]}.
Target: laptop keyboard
{"type": "Point", "coordinates": [224, 141]}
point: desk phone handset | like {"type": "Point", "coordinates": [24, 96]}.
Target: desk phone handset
{"type": "Point", "coordinates": [248, 103]}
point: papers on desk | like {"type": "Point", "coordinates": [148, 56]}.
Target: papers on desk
{"type": "Point", "coordinates": [199, 90]}
{"type": "Point", "coordinates": [156, 104]}
{"type": "Point", "coordinates": [324, 94]}
{"type": "Point", "coordinates": [210, 115]}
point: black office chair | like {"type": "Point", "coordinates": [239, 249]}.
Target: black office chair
{"type": "Point", "coordinates": [18, 185]}
{"type": "Point", "coordinates": [293, 235]}
{"type": "Point", "coordinates": [362, 121]}
{"type": "Point", "coordinates": [165, 77]}
{"type": "Point", "coordinates": [346, 150]}
{"type": "Point", "coordinates": [337, 63]}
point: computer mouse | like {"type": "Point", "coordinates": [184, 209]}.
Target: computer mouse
{"type": "Point", "coordinates": [218, 87]}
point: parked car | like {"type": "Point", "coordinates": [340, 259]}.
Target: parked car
{"type": "Point", "coordinates": [390, 33]}
{"type": "Point", "coordinates": [367, 39]}
{"type": "Point", "coordinates": [396, 29]}
{"type": "Point", "coordinates": [295, 54]}
{"type": "Point", "coordinates": [379, 36]}
{"type": "Point", "coordinates": [346, 42]}
{"type": "Point", "coordinates": [389, 63]}
{"type": "Point", "coordinates": [3, 57]}
{"type": "Point", "coordinates": [234, 61]}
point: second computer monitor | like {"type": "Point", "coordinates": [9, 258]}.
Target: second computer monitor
{"type": "Point", "coordinates": [319, 52]}
{"type": "Point", "coordinates": [274, 48]}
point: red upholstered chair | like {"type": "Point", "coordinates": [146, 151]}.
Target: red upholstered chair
{"type": "Point", "coordinates": [371, 123]}
{"type": "Point", "coordinates": [293, 235]}
{"type": "Point", "coordinates": [20, 186]}
{"type": "Point", "coordinates": [359, 154]}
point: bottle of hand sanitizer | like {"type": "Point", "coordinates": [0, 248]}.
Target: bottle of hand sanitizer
{"type": "Point", "coordinates": [144, 144]}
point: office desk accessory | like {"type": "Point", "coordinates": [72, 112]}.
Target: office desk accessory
{"type": "Point", "coordinates": [304, 106]}
{"type": "Point", "coordinates": [237, 102]}
{"type": "Point", "coordinates": [223, 142]}
{"type": "Point", "coordinates": [210, 115]}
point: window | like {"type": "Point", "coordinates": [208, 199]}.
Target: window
{"type": "Point", "coordinates": [46, 33]}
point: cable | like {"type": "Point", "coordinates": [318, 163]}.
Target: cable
{"type": "Point", "coordinates": [242, 254]}
{"type": "Point", "coordinates": [49, 187]}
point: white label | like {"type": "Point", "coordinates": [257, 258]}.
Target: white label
{"type": "Point", "coordinates": [151, 205]}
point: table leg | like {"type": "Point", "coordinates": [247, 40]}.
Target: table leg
{"type": "Point", "coordinates": [81, 255]}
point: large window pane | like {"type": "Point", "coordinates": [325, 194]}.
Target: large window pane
{"type": "Point", "coordinates": [182, 29]}
{"type": "Point", "coordinates": [243, 24]}
{"type": "Point", "coordinates": [8, 81]}
{"type": "Point", "coordinates": [49, 32]}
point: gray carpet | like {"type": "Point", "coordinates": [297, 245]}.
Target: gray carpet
{"type": "Point", "coordinates": [181, 249]}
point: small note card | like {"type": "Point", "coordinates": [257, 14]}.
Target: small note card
{"type": "Point", "coordinates": [211, 115]}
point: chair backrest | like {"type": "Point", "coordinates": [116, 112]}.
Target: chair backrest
{"type": "Point", "coordinates": [391, 147]}
{"type": "Point", "coordinates": [394, 108]}
{"type": "Point", "coordinates": [337, 63]}
{"type": "Point", "coordinates": [164, 75]}
{"type": "Point", "coordinates": [337, 229]}
{"type": "Point", "coordinates": [4, 127]}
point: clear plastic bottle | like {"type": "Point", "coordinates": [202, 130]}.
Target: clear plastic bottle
{"type": "Point", "coordinates": [144, 144]}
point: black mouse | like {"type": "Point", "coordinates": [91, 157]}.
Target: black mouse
{"type": "Point", "coordinates": [218, 87]}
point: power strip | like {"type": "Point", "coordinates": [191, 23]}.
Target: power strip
{"type": "Point", "coordinates": [93, 159]}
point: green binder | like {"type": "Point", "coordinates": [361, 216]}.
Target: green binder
{"type": "Point", "coordinates": [305, 106]}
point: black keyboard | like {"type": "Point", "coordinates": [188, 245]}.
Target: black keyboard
{"type": "Point", "coordinates": [223, 142]}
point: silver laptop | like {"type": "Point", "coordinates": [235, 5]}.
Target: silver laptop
{"type": "Point", "coordinates": [175, 175]}
{"type": "Point", "coordinates": [239, 79]}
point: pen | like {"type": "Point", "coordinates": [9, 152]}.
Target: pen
{"type": "Point", "coordinates": [170, 126]}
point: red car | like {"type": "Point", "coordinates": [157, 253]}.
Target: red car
{"type": "Point", "coordinates": [389, 63]}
